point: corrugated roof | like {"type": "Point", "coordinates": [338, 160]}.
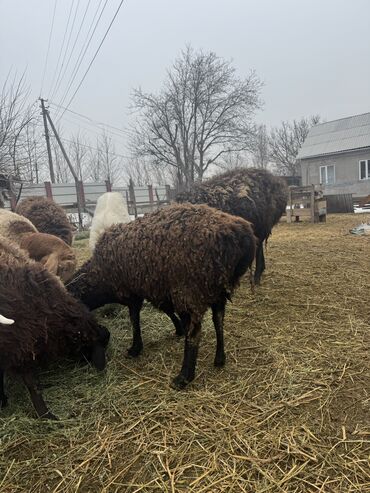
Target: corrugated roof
{"type": "Point", "coordinates": [336, 136]}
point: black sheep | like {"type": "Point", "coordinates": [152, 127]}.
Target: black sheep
{"type": "Point", "coordinates": [48, 323]}
{"type": "Point", "coordinates": [253, 194]}
{"type": "Point", "coordinates": [183, 259]}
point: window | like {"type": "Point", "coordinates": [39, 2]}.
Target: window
{"type": "Point", "coordinates": [365, 170]}
{"type": "Point", "coordinates": [327, 175]}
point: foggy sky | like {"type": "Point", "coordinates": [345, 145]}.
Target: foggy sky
{"type": "Point", "coordinates": [313, 55]}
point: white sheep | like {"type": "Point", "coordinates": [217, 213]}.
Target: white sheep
{"type": "Point", "coordinates": [111, 208]}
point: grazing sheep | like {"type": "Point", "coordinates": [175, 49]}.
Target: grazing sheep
{"type": "Point", "coordinates": [48, 323]}
{"type": "Point", "coordinates": [253, 194]}
{"type": "Point", "coordinates": [52, 252]}
{"type": "Point", "coordinates": [110, 209]}
{"type": "Point", "coordinates": [183, 259]}
{"type": "Point", "coordinates": [47, 216]}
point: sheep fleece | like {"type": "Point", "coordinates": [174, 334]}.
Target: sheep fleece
{"type": "Point", "coordinates": [47, 216]}
{"type": "Point", "coordinates": [190, 255]}
{"type": "Point", "coordinates": [49, 322]}
{"type": "Point", "coordinates": [251, 193]}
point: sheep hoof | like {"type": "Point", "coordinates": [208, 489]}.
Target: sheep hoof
{"type": "Point", "coordinates": [220, 361]}
{"type": "Point", "coordinates": [179, 382]}
{"type": "Point", "coordinates": [133, 352]}
{"type": "Point", "coordinates": [50, 415]}
{"type": "Point", "coordinates": [3, 401]}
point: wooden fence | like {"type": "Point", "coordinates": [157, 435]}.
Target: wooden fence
{"type": "Point", "coordinates": [342, 203]}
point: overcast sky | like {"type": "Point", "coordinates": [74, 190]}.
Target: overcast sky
{"type": "Point", "coordinates": [313, 55]}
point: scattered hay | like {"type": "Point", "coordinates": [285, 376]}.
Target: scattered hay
{"type": "Point", "coordinates": [288, 413]}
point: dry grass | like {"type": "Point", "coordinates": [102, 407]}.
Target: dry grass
{"type": "Point", "coordinates": [288, 413]}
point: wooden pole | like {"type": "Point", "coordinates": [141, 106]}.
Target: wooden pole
{"type": "Point", "coordinates": [74, 174]}
{"type": "Point", "coordinates": [47, 138]}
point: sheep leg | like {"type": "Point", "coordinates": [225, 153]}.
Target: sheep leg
{"type": "Point", "coordinates": [180, 331]}
{"type": "Point", "coordinates": [3, 397]}
{"type": "Point", "coordinates": [260, 263]}
{"type": "Point", "coordinates": [36, 397]}
{"type": "Point", "coordinates": [187, 372]}
{"type": "Point", "coordinates": [137, 342]}
{"type": "Point", "coordinates": [218, 315]}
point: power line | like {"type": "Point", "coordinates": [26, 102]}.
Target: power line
{"type": "Point", "coordinates": [59, 78]}
{"type": "Point", "coordinates": [84, 48]}
{"type": "Point", "coordinates": [48, 50]}
{"type": "Point", "coordinates": [75, 41]}
{"type": "Point", "coordinates": [62, 46]}
{"type": "Point", "coordinates": [124, 132]}
{"type": "Point", "coordinates": [96, 149]}
{"type": "Point", "coordinates": [95, 55]}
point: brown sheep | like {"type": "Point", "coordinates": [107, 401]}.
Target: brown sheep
{"type": "Point", "coordinates": [183, 259]}
{"type": "Point", "coordinates": [47, 216]}
{"type": "Point", "coordinates": [58, 257]}
{"type": "Point", "coordinates": [48, 323]}
{"type": "Point", "coordinates": [253, 194]}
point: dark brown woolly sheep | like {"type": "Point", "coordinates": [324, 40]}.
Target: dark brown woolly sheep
{"type": "Point", "coordinates": [253, 194]}
{"type": "Point", "coordinates": [48, 323]}
{"type": "Point", "coordinates": [183, 259]}
{"type": "Point", "coordinates": [47, 216]}
{"type": "Point", "coordinates": [58, 257]}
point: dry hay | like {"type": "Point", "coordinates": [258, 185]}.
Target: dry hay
{"type": "Point", "coordinates": [288, 413]}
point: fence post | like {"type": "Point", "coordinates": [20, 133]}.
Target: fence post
{"type": "Point", "coordinates": [151, 197]}
{"type": "Point", "coordinates": [313, 204]}
{"type": "Point", "coordinates": [108, 185]}
{"type": "Point", "coordinates": [132, 196]}
{"type": "Point", "coordinates": [48, 190]}
{"type": "Point", "coordinates": [168, 193]}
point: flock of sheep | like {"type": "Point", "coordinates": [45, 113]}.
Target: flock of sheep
{"type": "Point", "coordinates": [184, 258]}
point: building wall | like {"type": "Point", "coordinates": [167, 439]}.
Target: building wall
{"type": "Point", "coordinates": [347, 179]}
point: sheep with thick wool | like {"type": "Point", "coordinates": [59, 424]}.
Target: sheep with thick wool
{"type": "Point", "coordinates": [58, 257]}
{"type": "Point", "coordinates": [47, 216]}
{"type": "Point", "coordinates": [183, 259]}
{"type": "Point", "coordinates": [41, 322]}
{"type": "Point", "coordinates": [111, 208]}
{"type": "Point", "coordinates": [251, 193]}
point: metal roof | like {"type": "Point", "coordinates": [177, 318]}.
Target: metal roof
{"type": "Point", "coordinates": [342, 135]}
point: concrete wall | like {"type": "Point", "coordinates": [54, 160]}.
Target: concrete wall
{"type": "Point", "coordinates": [347, 178]}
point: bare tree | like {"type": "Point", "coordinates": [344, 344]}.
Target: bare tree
{"type": "Point", "coordinates": [79, 152]}
{"type": "Point", "coordinates": [286, 141]}
{"type": "Point", "coordinates": [203, 112]}
{"type": "Point", "coordinates": [261, 150]}
{"type": "Point", "coordinates": [104, 163]}
{"type": "Point", "coordinates": [16, 115]}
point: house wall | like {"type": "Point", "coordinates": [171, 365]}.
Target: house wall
{"type": "Point", "coordinates": [347, 179]}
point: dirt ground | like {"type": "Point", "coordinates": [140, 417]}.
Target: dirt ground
{"type": "Point", "coordinates": [289, 412]}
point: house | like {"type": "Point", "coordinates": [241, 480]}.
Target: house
{"type": "Point", "coordinates": [336, 155]}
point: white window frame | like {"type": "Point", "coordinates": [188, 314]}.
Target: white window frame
{"type": "Point", "coordinates": [367, 165]}
{"type": "Point", "coordinates": [326, 166]}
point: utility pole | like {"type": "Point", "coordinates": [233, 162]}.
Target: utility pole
{"type": "Point", "coordinates": [75, 177]}
{"type": "Point", "coordinates": [45, 113]}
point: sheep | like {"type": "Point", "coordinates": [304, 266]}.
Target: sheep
{"type": "Point", "coordinates": [253, 194]}
{"type": "Point", "coordinates": [58, 257]}
{"type": "Point", "coordinates": [183, 259]}
{"type": "Point", "coordinates": [48, 323]}
{"type": "Point", "coordinates": [47, 216]}
{"type": "Point", "coordinates": [110, 209]}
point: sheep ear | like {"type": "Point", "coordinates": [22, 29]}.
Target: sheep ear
{"type": "Point", "coordinates": [51, 263]}
{"type": "Point", "coordinates": [98, 357]}
{"type": "Point", "coordinates": [6, 321]}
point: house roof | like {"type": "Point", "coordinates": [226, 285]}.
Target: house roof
{"type": "Point", "coordinates": [345, 134]}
